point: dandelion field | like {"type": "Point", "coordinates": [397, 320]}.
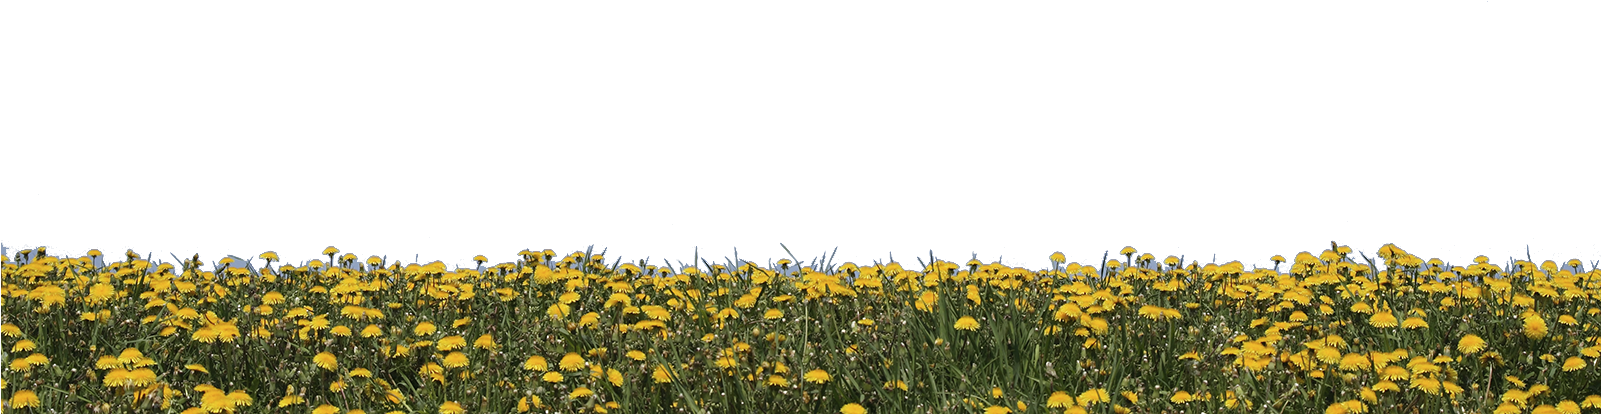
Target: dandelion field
{"type": "Point", "coordinates": [1332, 332]}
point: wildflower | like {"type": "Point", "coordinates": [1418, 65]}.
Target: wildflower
{"type": "Point", "coordinates": [485, 342]}
{"type": "Point", "coordinates": [818, 376]}
{"type": "Point", "coordinates": [777, 381]}
{"type": "Point", "coordinates": [326, 409]}
{"type": "Point", "coordinates": [1181, 397]}
{"type": "Point", "coordinates": [451, 407]}
{"type": "Point", "coordinates": [197, 367]}
{"type": "Point", "coordinates": [852, 408]}
{"type": "Point", "coordinates": [1470, 344]}
{"type": "Point", "coordinates": [289, 400]}
{"type": "Point", "coordinates": [25, 364]}
{"type": "Point", "coordinates": [456, 359]}
{"type": "Point", "coordinates": [967, 323]}
{"type": "Point", "coordinates": [1568, 407]}
{"type": "Point", "coordinates": [394, 397]}
{"type": "Point", "coordinates": [1059, 399]}
{"type": "Point", "coordinates": [614, 376]}
{"type": "Point", "coordinates": [361, 372]}
{"type": "Point", "coordinates": [1354, 362]}
{"type": "Point", "coordinates": [636, 355]}
{"type": "Point", "coordinates": [1414, 323]}
{"type": "Point", "coordinates": [1573, 364]}
{"type": "Point", "coordinates": [656, 312]}
{"type": "Point", "coordinates": [581, 392]}
{"type": "Point", "coordinates": [1089, 398]}
{"type": "Point", "coordinates": [773, 314]}
{"type": "Point", "coordinates": [528, 403]}
{"type": "Point", "coordinates": [995, 409]}
{"type": "Point", "coordinates": [571, 362]}
{"type": "Point", "coordinates": [1150, 312]}
{"type": "Point", "coordinates": [1534, 326]}
{"type": "Point", "coordinates": [326, 360]}
{"type": "Point", "coordinates": [11, 330]}
{"type": "Point", "coordinates": [451, 342]}
{"type": "Point", "coordinates": [537, 363]}
{"type": "Point", "coordinates": [1382, 320]}
{"type": "Point", "coordinates": [553, 377]}
{"type": "Point", "coordinates": [24, 399]}
{"type": "Point", "coordinates": [424, 328]}
{"type": "Point", "coordinates": [661, 375]}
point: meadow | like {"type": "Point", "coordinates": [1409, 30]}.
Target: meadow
{"type": "Point", "coordinates": [1334, 331]}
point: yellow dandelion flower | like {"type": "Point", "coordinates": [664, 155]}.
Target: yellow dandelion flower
{"type": "Point", "coordinates": [456, 359]}
{"type": "Point", "coordinates": [656, 312]}
{"type": "Point", "coordinates": [1573, 364]}
{"type": "Point", "coordinates": [485, 342]}
{"type": "Point", "coordinates": [130, 356]}
{"type": "Point", "coordinates": [1354, 362]}
{"type": "Point", "coordinates": [967, 323]}
{"type": "Point", "coordinates": [1534, 326]}
{"type": "Point", "coordinates": [777, 381]}
{"type": "Point", "coordinates": [661, 375]}
{"type": "Point", "coordinates": [1568, 407]}
{"type": "Point", "coordinates": [424, 328]}
{"type": "Point", "coordinates": [614, 376]}
{"type": "Point", "coordinates": [553, 377]}
{"type": "Point", "coordinates": [529, 402]}
{"type": "Point", "coordinates": [451, 342]}
{"type": "Point", "coordinates": [636, 355]}
{"type": "Point", "coordinates": [326, 360]}
{"type": "Point", "coordinates": [1091, 397]}
{"type": "Point", "coordinates": [571, 362]}
{"type": "Point", "coordinates": [1470, 344]}
{"type": "Point", "coordinates": [996, 409]}
{"type": "Point", "coordinates": [325, 409]}
{"type": "Point", "coordinates": [581, 392]}
{"type": "Point", "coordinates": [24, 399]}
{"type": "Point", "coordinates": [289, 400]}
{"type": "Point", "coordinates": [451, 407]}
{"type": "Point", "coordinates": [196, 367]}
{"type": "Point", "coordinates": [1414, 323]}
{"type": "Point", "coordinates": [818, 376]}
{"type": "Point", "coordinates": [1383, 319]}
{"type": "Point", "coordinates": [361, 372]}
{"type": "Point", "coordinates": [852, 408]}
{"type": "Point", "coordinates": [537, 363]}
{"type": "Point", "coordinates": [1059, 399]}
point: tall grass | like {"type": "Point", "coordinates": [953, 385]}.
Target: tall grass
{"type": "Point", "coordinates": [1130, 335]}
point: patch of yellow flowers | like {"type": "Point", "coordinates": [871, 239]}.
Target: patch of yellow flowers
{"type": "Point", "coordinates": [1330, 332]}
